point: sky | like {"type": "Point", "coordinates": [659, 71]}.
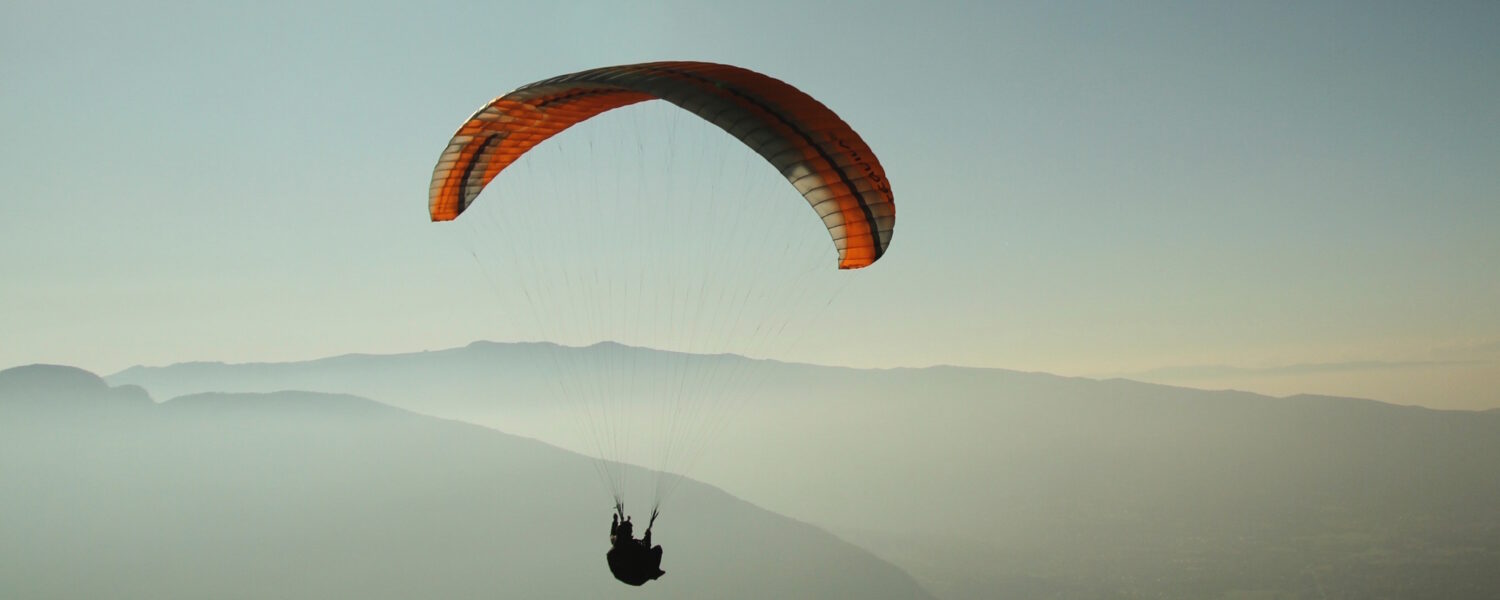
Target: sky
{"type": "Point", "coordinates": [1281, 197]}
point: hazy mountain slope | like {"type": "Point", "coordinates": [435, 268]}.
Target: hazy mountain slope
{"type": "Point", "coordinates": [1076, 488]}
{"type": "Point", "coordinates": [301, 495]}
{"type": "Point", "coordinates": [441, 382]}
{"type": "Point", "coordinates": [1043, 486]}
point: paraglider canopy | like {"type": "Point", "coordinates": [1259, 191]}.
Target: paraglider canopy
{"type": "Point", "coordinates": [819, 154]}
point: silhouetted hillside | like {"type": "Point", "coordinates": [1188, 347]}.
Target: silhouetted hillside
{"type": "Point", "coordinates": [59, 386]}
{"type": "Point", "coordinates": [307, 495]}
{"type": "Point", "coordinates": [986, 482]}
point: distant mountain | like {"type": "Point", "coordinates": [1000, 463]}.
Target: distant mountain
{"type": "Point", "coordinates": [57, 386]}
{"type": "Point", "coordinates": [986, 482]}
{"type": "Point", "coordinates": [453, 382]}
{"type": "Point", "coordinates": [105, 494]}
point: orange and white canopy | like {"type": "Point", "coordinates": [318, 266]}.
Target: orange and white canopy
{"type": "Point", "coordinates": [822, 157]}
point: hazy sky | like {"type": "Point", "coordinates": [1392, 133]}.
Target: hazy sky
{"type": "Point", "coordinates": [1282, 197]}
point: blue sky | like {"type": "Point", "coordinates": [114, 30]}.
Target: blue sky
{"type": "Point", "coordinates": [1302, 195]}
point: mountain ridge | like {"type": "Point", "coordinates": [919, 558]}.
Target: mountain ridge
{"type": "Point", "coordinates": [138, 371]}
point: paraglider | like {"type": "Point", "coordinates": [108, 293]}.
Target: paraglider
{"type": "Point", "coordinates": [824, 160]}
{"type": "Point", "coordinates": [632, 561]}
